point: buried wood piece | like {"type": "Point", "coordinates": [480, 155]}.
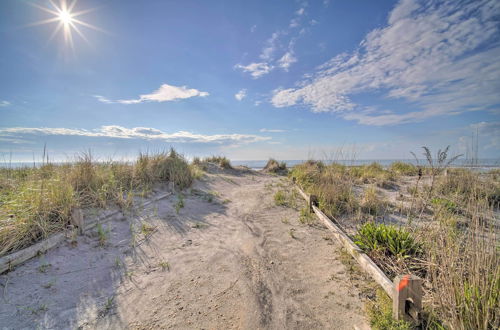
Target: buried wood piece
{"type": "Point", "coordinates": [407, 298]}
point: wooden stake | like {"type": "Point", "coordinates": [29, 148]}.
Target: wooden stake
{"type": "Point", "coordinates": [407, 298]}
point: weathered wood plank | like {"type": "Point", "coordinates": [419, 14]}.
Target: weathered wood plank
{"type": "Point", "coordinates": [18, 257]}
{"type": "Point", "coordinates": [14, 259]}
{"type": "Point", "coordinates": [364, 261]}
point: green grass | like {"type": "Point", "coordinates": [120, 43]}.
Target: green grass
{"type": "Point", "coordinates": [380, 314]}
{"type": "Point", "coordinates": [180, 203]}
{"type": "Point", "coordinates": [37, 202]}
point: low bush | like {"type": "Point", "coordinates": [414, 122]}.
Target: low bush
{"type": "Point", "coordinates": [403, 168]}
{"type": "Point", "coordinates": [387, 240]}
{"type": "Point", "coordinates": [221, 161]}
{"type": "Point", "coordinates": [273, 166]}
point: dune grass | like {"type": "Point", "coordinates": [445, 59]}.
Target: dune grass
{"type": "Point", "coordinates": [220, 161]}
{"type": "Point", "coordinates": [451, 241]}
{"type": "Point", "coordinates": [273, 166]}
{"type": "Point", "coordinates": [37, 202]}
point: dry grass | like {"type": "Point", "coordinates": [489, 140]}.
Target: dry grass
{"type": "Point", "coordinates": [273, 166]}
{"type": "Point", "coordinates": [37, 202]}
{"type": "Point", "coordinates": [454, 218]}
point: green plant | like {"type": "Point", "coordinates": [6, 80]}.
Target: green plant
{"type": "Point", "coordinates": [305, 216]}
{"type": "Point", "coordinates": [147, 230]}
{"type": "Point", "coordinates": [102, 234]}
{"type": "Point", "coordinates": [180, 203]}
{"type": "Point", "coordinates": [388, 240]}
{"type": "Point", "coordinates": [164, 265]}
{"type": "Point", "coordinates": [280, 198]}
{"type": "Point", "coordinates": [380, 314]}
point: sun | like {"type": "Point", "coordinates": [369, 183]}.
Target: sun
{"type": "Point", "coordinates": [64, 15]}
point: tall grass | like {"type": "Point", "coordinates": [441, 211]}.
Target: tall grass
{"type": "Point", "coordinates": [453, 239]}
{"type": "Point", "coordinates": [37, 202]}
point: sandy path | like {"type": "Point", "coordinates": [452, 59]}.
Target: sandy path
{"type": "Point", "coordinates": [232, 264]}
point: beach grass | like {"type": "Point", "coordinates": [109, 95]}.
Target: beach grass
{"type": "Point", "coordinates": [36, 202]}
{"type": "Point", "coordinates": [450, 239]}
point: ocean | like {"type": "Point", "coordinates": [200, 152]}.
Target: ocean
{"type": "Point", "coordinates": [479, 164]}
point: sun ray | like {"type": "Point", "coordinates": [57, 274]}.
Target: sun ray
{"type": "Point", "coordinates": [65, 17]}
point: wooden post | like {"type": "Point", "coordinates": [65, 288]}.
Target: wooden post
{"type": "Point", "coordinates": [407, 298]}
{"type": "Point", "coordinates": [312, 201]}
{"type": "Point", "coordinates": [77, 220]}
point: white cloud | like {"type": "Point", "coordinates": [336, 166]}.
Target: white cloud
{"type": "Point", "coordinates": [300, 11]}
{"type": "Point", "coordinates": [287, 60]}
{"type": "Point", "coordinates": [270, 48]}
{"type": "Point", "coordinates": [253, 28]}
{"type": "Point", "coordinates": [439, 57]}
{"type": "Point", "coordinates": [256, 70]}
{"type": "Point", "coordinates": [266, 130]}
{"type": "Point", "coordinates": [164, 93]}
{"type": "Point", "coordinates": [4, 103]}
{"type": "Point", "coordinates": [144, 133]}
{"type": "Point", "coordinates": [240, 95]}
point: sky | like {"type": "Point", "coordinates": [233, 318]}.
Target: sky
{"type": "Point", "coordinates": [248, 79]}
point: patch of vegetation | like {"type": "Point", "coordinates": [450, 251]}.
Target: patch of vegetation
{"type": "Point", "coordinates": [273, 166]}
{"type": "Point", "coordinates": [380, 314]}
{"type": "Point", "coordinates": [220, 161]}
{"type": "Point", "coordinates": [387, 240]}
{"type": "Point", "coordinates": [180, 203]}
{"type": "Point", "coordinates": [402, 168]}
{"type": "Point", "coordinates": [372, 203]}
{"type": "Point", "coordinates": [306, 217]}
{"type": "Point", "coordinates": [280, 198]}
{"type": "Point", "coordinates": [102, 234]}
{"type": "Point", "coordinates": [37, 202]}
{"type": "Point", "coordinates": [164, 265]}
{"type": "Point", "coordinates": [287, 198]}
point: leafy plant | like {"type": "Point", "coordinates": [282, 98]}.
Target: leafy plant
{"type": "Point", "coordinates": [387, 239]}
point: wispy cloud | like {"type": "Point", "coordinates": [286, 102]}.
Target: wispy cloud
{"type": "Point", "coordinates": [267, 130]}
{"type": "Point", "coordinates": [256, 70]}
{"type": "Point", "coordinates": [439, 57]}
{"type": "Point", "coordinates": [240, 95]}
{"type": "Point", "coordinates": [273, 45]}
{"type": "Point", "coordinates": [144, 133]}
{"type": "Point", "coordinates": [287, 60]}
{"type": "Point", "coordinates": [163, 94]}
{"type": "Point", "coordinates": [4, 103]}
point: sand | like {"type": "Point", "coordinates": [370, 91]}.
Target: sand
{"type": "Point", "coordinates": [229, 259]}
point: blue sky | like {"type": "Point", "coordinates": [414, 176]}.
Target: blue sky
{"type": "Point", "coordinates": [250, 79]}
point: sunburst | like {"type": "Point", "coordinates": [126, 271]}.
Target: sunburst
{"type": "Point", "coordinates": [66, 19]}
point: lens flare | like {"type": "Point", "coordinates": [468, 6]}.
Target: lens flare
{"type": "Point", "coordinates": [64, 15]}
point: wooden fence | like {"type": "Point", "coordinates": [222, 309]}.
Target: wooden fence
{"type": "Point", "coordinates": [405, 290]}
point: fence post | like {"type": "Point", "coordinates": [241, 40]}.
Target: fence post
{"type": "Point", "coordinates": [77, 220]}
{"type": "Point", "coordinates": [313, 200]}
{"type": "Point", "coordinates": [407, 298]}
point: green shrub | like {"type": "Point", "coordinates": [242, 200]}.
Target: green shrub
{"type": "Point", "coordinates": [387, 240]}
{"type": "Point", "coordinates": [403, 168]}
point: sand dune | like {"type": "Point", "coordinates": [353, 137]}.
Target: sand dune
{"type": "Point", "coordinates": [229, 259]}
